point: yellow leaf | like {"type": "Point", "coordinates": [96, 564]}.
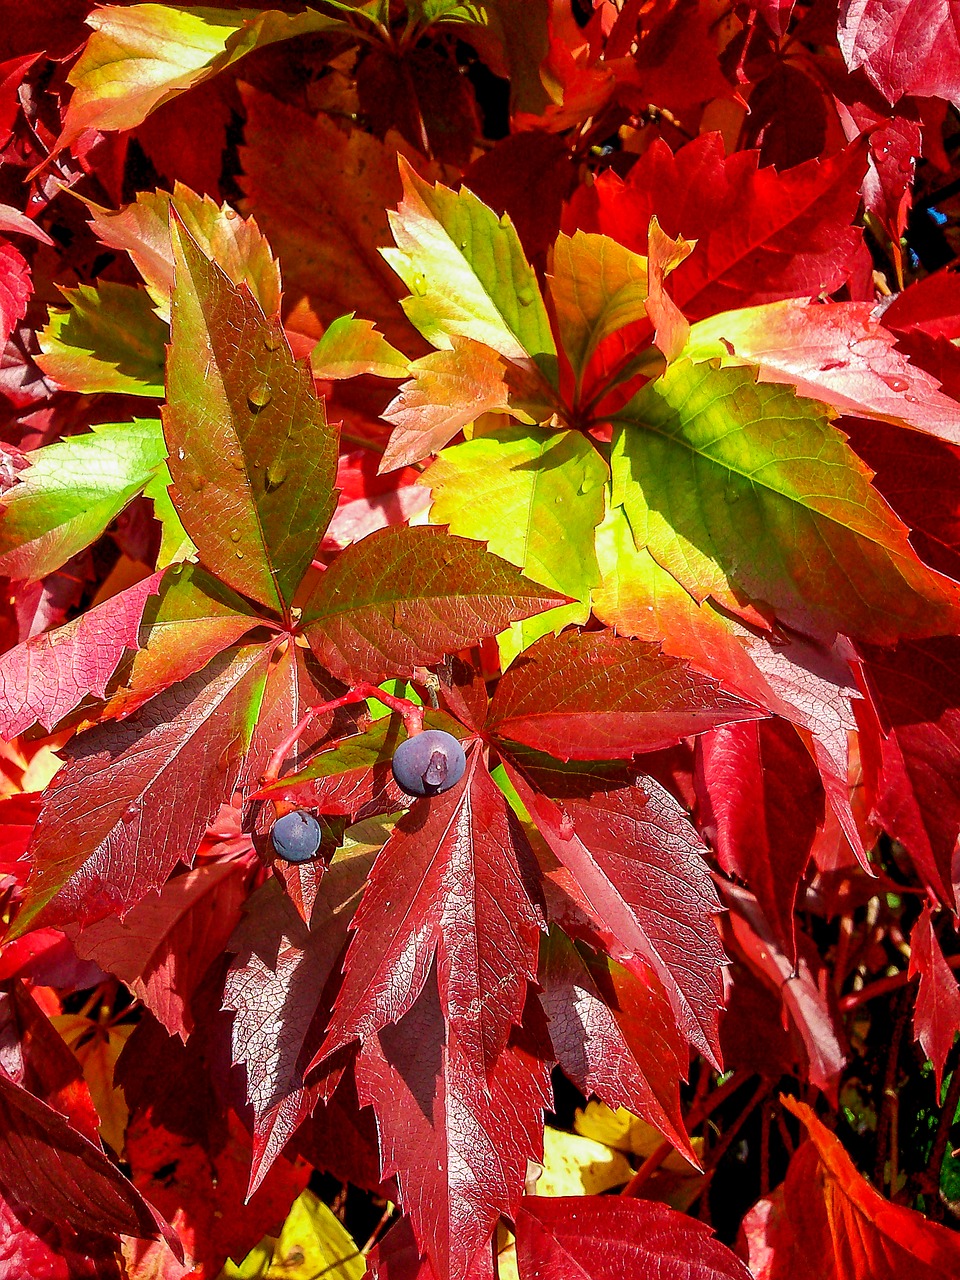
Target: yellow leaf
{"type": "Point", "coordinates": [97, 1048]}
{"type": "Point", "coordinates": [578, 1166]}
{"type": "Point", "coordinates": [312, 1243]}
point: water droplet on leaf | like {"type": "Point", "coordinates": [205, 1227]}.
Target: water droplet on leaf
{"type": "Point", "coordinates": [234, 535]}
{"type": "Point", "coordinates": [276, 474]}
{"type": "Point", "coordinates": [130, 812]}
{"type": "Point", "coordinates": [236, 461]}
{"type": "Point", "coordinates": [259, 396]}
{"type": "Point", "coordinates": [272, 340]}
{"type": "Point", "coordinates": [196, 481]}
{"type": "Point", "coordinates": [525, 297]}
{"type": "Point", "coordinates": [732, 494]}
{"type": "Point", "coordinates": [896, 384]}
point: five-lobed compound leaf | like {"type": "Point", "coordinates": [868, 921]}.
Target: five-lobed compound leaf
{"type": "Point", "coordinates": [598, 696]}
{"type": "Point", "coordinates": [251, 454]}
{"type": "Point", "coordinates": [742, 487]}
{"type": "Point", "coordinates": [403, 597]}
{"type": "Point", "coordinates": [47, 676]}
{"type": "Point", "coordinates": [607, 1237]}
{"type": "Point", "coordinates": [132, 799]}
{"type": "Point", "coordinates": [142, 230]}
{"type": "Point", "coordinates": [108, 339]}
{"type": "Point", "coordinates": [468, 275]}
{"type": "Point", "coordinates": [142, 55]}
{"type": "Point", "coordinates": [453, 886]}
{"type": "Point", "coordinates": [72, 491]}
{"type": "Point", "coordinates": [840, 354]}
{"type": "Point", "coordinates": [534, 495]}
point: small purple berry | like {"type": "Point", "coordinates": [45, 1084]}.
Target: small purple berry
{"type": "Point", "coordinates": [429, 763]}
{"type": "Point", "coordinates": [296, 836]}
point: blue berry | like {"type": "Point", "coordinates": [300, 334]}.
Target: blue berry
{"type": "Point", "coordinates": [296, 836]}
{"type": "Point", "coordinates": [428, 763]}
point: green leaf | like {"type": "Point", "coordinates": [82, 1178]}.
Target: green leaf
{"type": "Point", "coordinates": [350, 347]}
{"type": "Point", "coordinates": [251, 455]}
{"type": "Point", "coordinates": [534, 496]}
{"type": "Point", "coordinates": [597, 287]}
{"type": "Point", "coordinates": [746, 493]}
{"type": "Point", "coordinates": [468, 274]}
{"type": "Point", "coordinates": [175, 543]}
{"type": "Point", "coordinates": [72, 491]}
{"type": "Point", "coordinates": [142, 229]}
{"type": "Point", "coordinates": [142, 55]}
{"type": "Point", "coordinates": [312, 1243]}
{"type": "Point", "coordinates": [109, 339]}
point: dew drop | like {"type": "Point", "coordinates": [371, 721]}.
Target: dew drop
{"type": "Point", "coordinates": [912, 399]}
{"type": "Point", "coordinates": [272, 340]}
{"type": "Point", "coordinates": [558, 499]}
{"type": "Point", "coordinates": [236, 461]}
{"type": "Point", "coordinates": [130, 813]}
{"type": "Point", "coordinates": [196, 481]}
{"type": "Point", "coordinates": [238, 554]}
{"type": "Point", "coordinates": [525, 297]}
{"type": "Point", "coordinates": [732, 494]}
{"type": "Point", "coordinates": [259, 396]}
{"type": "Point", "coordinates": [234, 535]}
{"type": "Point", "coordinates": [896, 384]}
{"type": "Point", "coordinates": [276, 474]}
{"type": "Point", "coordinates": [642, 796]}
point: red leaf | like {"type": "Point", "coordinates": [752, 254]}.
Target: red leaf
{"type": "Point", "coordinates": [15, 289]}
{"type": "Point", "coordinates": [457, 1140]}
{"type": "Point", "coordinates": [276, 987]}
{"type": "Point", "coordinates": [762, 804]}
{"type": "Point", "coordinates": [915, 691]}
{"type": "Point", "coordinates": [599, 696]}
{"type": "Point", "coordinates": [920, 478]}
{"type": "Point", "coordinates": [614, 1036]}
{"type": "Point", "coordinates": [827, 1223]}
{"type": "Point", "coordinates": [637, 863]}
{"type": "Point", "coordinates": [452, 882]}
{"type": "Point", "coordinates": [761, 235]}
{"type": "Point", "coordinates": [905, 46]}
{"type": "Point", "coordinates": [49, 675]}
{"type": "Point", "coordinates": [55, 1170]}
{"type": "Point", "coordinates": [203, 1194]}
{"type": "Point", "coordinates": [801, 986]}
{"type": "Point", "coordinates": [840, 354]}
{"type": "Point", "coordinates": [936, 1016]}
{"type": "Point", "coordinates": [609, 1237]}
{"type": "Point", "coordinates": [133, 798]}
{"type": "Point", "coordinates": [34, 1246]}
{"type": "Point", "coordinates": [164, 946]}
{"type": "Point", "coordinates": [404, 597]}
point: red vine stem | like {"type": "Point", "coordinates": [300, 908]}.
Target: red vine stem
{"type": "Point", "coordinates": [883, 986]}
{"type": "Point", "coordinates": [411, 713]}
